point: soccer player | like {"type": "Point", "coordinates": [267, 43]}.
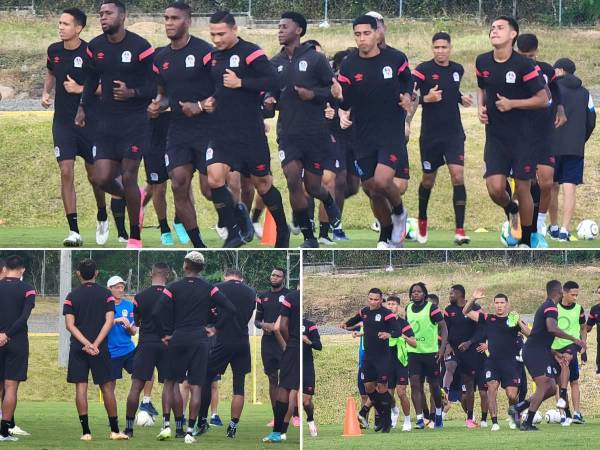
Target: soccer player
{"type": "Point", "coordinates": [89, 312]}
{"type": "Point", "coordinates": [181, 317]}
{"type": "Point", "coordinates": [424, 360]}
{"type": "Point", "coordinates": [376, 85]}
{"type": "Point", "coordinates": [537, 356]}
{"type": "Point", "coordinates": [66, 74]}
{"type": "Point", "coordinates": [501, 331]}
{"type": "Point", "coordinates": [594, 319]}
{"type": "Point", "coordinates": [442, 138]}
{"type": "Point", "coordinates": [232, 347]}
{"type": "Point", "coordinates": [509, 87]}
{"type": "Point", "coordinates": [288, 325]}
{"type": "Point", "coordinates": [571, 320]}
{"type": "Point", "coordinates": [304, 87]}
{"type": "Point", "coordinates": [17, 300]}
{"type": "Point", "coordinates": [121, 61]}
{"type": "Point", "coordinates": [379, 324]}
{"type": "Point", "coordinates": [399, 363]}
{"type": "Point", "coordinates": [310, 340]}
{"type": "Point", "coordinates": [267, 311]}
{"type": "Point", "coordinates": [240, 72]}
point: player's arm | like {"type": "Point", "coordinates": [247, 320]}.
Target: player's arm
{"type": "Point", "coordinates": [109, 317]}
{"type": "Point", "coordinates": [552, 325]}
{"type": "Point", "coordinates": [324, 75]}
{"type": "Point", "coordinates": [582, 326]}
{"type": "Point", "coordinates": [409, 336]}
{"type": "Point", "coordinates": [226, 309]}
{"type": "Point", "coordinates": [92, 80]}
{"type": "Point", "coordinates": [49, 84]}
{"type": "Point", "coordinates": [21, 323]}
{"type": "Point", "coordinates": [282, 328]}
{"type": "Point", "coordinates": [525, 330]}
{"type": "Point", "coordinates": [315, 338]}
{"type": "Point", "coordinates": [265, 78]}
{"type": "Point", "coordinates": [75, 332]}
{"type": "Point", "coordinates": [591, 320]}
{"type": "Point", "coordinates": [350, 323]}
{"type": "Point", "coordinates": [162, 314]}
{"type": "Point", "coordinates": [260, 314]}
{"type": "Point", "coordinates": [590, 122]}
{"type": "Point", "coordinates": [281, 340]}
{"type": "Point", "coordinates": [437, 317]}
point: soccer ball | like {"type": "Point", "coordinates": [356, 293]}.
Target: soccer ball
{"type": "Point", "coordinates": [144, 419]}
{"type": "Point", "coordinates": [412, 226]}
{"type": "Point", "coordinates": [587, 230]}
{"type": "Point", "coordinates": [552, 416]}
{"type": "Point", "coordinates": [536, 419]}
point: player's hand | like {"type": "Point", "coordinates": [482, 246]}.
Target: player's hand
{"type": "Point", "coordinates": [269, 103]}
{"type": "Point", "coordinates": [464, 346]}
{"type": "Point", "coordinates": [46, 100]}
{"type": "Point", "coordinates": [121, 92]}
{"type": "Point", "coordinates": [466, 101]}
{"type": "Point", "coordinates": [3, 339]}
{"type": "Point", "coordinates": [305, 94]}
{"type": "Point", "coordinates": [190, 109]}
{"type": "Point", "coordinates": [336, 89]}
{"type": "Point", "coordinates": [125, 322]}
{"type": "Point", "coordinates": [165, 340]}
{"type": "Point", "coordinates": [383, 335]}
{"type": "Point", "coordinates": [406, 132]}
{"type": "Point", "coordinates": [154, 109]}
{"type": "Point", "coordinates": [72, 87]}
{"type": "Point", "coordinates": [581, 343]}
{"type": "Point", "coordinates": [329, 112]}
{"type": "Point", "coordinates": [343, 326]}
{"type": "Point", "coordinates": [267, 127]}
{"type": "Point", "coordinates": [231, 80]}
{"type": "Point", "coordinates": [345, 121]}
{"type": "Point", "coordinates": [503, 104]}
{"type": "Point", "coordinates": [482, 348]}
{"type": "Point", "coordinates": [209, 104]}
{"type": "Point", "coordinates": [482, 113]}
{"type": "Point", "coordinates": [80, 117]}
{"type": "Point", "coordinates": [434, 95]}
{"type": "Point", "coordinates": [449, 351]}
{"type": "Point", "coordinates": [268, 327]}
{"type": "Point", "coordinates": [561, 117]}
{"type": "Point", "coordinates": [478, 294]}
{"type": "Point", "coordinates": [439, 357]}
{"type": "Point", "coordinates": [306, 340]}
{"type": "Point", "coordinates": [405, 102]}
{"type": "Point", "coordinates": [210, 331]}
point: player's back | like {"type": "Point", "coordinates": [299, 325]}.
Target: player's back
{"type": "Point", "coordinates": [144, 303]}
{"type": "Point", "coordinates": [243, 298]}
{"type": "Point", "coordinates": [192, 303]}
{"type": "Point", "coordinates": [89, 303]}
{"type": "Point", "coordinates": [13, 294]}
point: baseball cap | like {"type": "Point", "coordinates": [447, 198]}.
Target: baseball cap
{"type": "Point", "coordinates": [115, 279]}
{"type": "Point", "coordinates": [566, 64]}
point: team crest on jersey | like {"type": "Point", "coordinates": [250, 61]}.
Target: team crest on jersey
{"type": "Point", "coordinates": [57, 151]}
{"type": "Point", "coordinates": [209, 153]}
{"type": "Point", "coordinates": [545, 78]}
{"type": "Point", "coordinates": [378, 318]}
{"type": "Point", "coordinates": [387, 72]}
{"type": "Point", "coordinates": [302, 66]}
{"type": "Point", "coordinates": [456, 77]}
{"type": "Point", "coordinates": [488, 374]}
{"type": "Point", "coordinates": [78, 62]}
{"type": "Point", "coordinates": [190, 61]}
{"type": "Point", "coordinates": [154, 176]}
{"type": "Point", "coordinates": [281, 298]}
{"type": "Point", "coordinates": [166, 160]}
{"type": "Point", "coordinates": [234, 61]}
{"type": "Point", "coordinates": [94, 152]}
{"type": "Point", "coordinates": [126, 56]}
{"type": "Point", "coordinates": [281, 155]}
{"type": "Point", "coordinates": [303, 328]}
{"type": "Point", "coordinates": [337, 163]}
{"type": "Point", "coordinates": [124, 313]}
{"type": "Point", "coordinates": [511, 77]}
{"type": "Point", "coordinates": [426, 165]}
{"type": "Point", "coordinates": [279, 68]}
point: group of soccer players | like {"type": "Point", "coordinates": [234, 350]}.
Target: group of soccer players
{"type": "Point", "coordinates": [462, 349]}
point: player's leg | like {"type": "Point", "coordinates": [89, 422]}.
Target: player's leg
{"type": "Point", "coordinates": [9, 404]}
{"type": "Point", "coordinates": [545, 180]}
{"type": "Point", "coordinates": [159, 201]}
{"type": "Point", "coordinates": [101, 214]}
{"type": "Point", "coordinates": [328, 183]}
{"type": "Point", "coordinates": [493, 402]}
{"type": "Point", "coordinates": [425, 187]}
{"type": "Point", "coordinates": [554, 228]}
{"type": "Point", "coordinates": [257, 211]}
{"type": "Point", "coordinates": [214, 401]}
{"type": "Point", "coordinates": [247, 192]}
{"type": "Point", "coordinates": [181, 180]}
{"type": "Point", "coordinates": [81, 403]}
{"type": "Point", "coordinates": [469, 396]}
{"type": "Point", "coordinates": [385, 184]}
{"type": "Point", "coordinates": [523, 195]}
{"type": "Point", "coordinates": [405, 405]}
{"type": "Point", "coordinates": [263, 182]}
{"type": "Point", "coordinates": [298, 200]}
{"type": "Point", "coordinates": [224, 201]}
{"type": "Point", "coordinates": [110, 405]}
{"type": "Point", "coordinates": [568, 209]}
{"type": "Point", "coordinates": [130, 168]}
{"type": "Point", "coordinates": [237, 401]}
{"type": "Point", "coordinates": [133, 399]}
{"type": "Point", "coordinates": [67, 192]}
{"type": "Point", "coordinates": [459, 201]}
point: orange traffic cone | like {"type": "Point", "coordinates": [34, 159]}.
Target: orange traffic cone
{"type": "Point", "coordinates": [269, 230]}
{"type": "Point", "coordinates": [351, 426]}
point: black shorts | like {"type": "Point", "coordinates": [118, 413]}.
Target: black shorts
{"type": "Point", "coordinates": [506, 372]}
{"type": "Point", "coordinates": [123, 137]}
{"type": "Point", "coordinates": [249, 156]}
{"type": "Point", "coordinates": [308, 379]}
{"type": "Point", "coordinates": [469, 362]}
{"type": "Point", "coordinates": [539, 362]}
{"type": "Point", "coordinates": [569, 169]}
{"type": "Point", "coordinates": [80, 365]}
{"type": "Point", "coordinates": [398, 374]}
{"type": "Point", "coordinates": [121, 363]}
{"type": "Point", "coordinates": [376, 369]}
{"type": "Point", "coordinates": [155, 158]}
{"type": "Point", "coordinates": [188, 359]}
{"type": "Point", "coordinates": [440, 151]}
{"type": "Point", "coordinates": [289, 372]}
{"type": "Point", "coordinates": [237, 355]}
{"type": "Point", "coordinates": [271, 354]}
{"type": "Point", "coordinates": [423, 364]}
{"type": "Point", "coordinates": [71, 141]}
{"type": "Point", "coordinates": [310, 149]}
{"type": "Point", "coordinates": [360, 382]}
{"type": "Point", "coordinates": [545, 153]}
{"type": "Point", "coordinates": [149, 355]}
{"type": "Point", "coordinates": [509, 157]}
{"type": "Point", "coordinates": [397, 159]}
{"type": "Point", "coordinates": [347, 152]}
{"type": "Point", "coordinates": [574, 364]}
{"type": "Point", "coordinates": [14, 359]}
{"type": "Point", "coordinates": [186, 146]}
{"type": "Point", "coordinates": [334, 160]}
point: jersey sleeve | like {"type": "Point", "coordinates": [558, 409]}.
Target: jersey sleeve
{"type": "Point", "coordinates": [404, 76]}
{"type": "Point", "coordinates": [551, 312]}
{"type": "Point", "coordinates": [436, 315]}
{"type": "Point", "coordinates": [418, 75]}
{"type": "Point", "coordinates": [109, 305]}
{"type": "Point", "coordinates": [582, 316]}
{"type": "Point", "coordinates": [593, 316]}
{"type": "Point", "coordinates": [260, 309]}
{"type": "Point", "coordinates": [532, 79]}
{"type": "Point", "coordinates": [49, 61]}
{"type": "Point", "coordinates": [68, 306]}
{"type": "Point", "coordinates": [266, 76]}
{"type": "Point", "coordinates": [20, 325]}
{"type": "Point", "coordinates": [355, 320]}
{"type": "Point", "coordinates": [225, 308]}
{"type": "Point", "coordinates": [323, 75]}
{"type": "Point", "coordinates": [315, 338]}
{"type": "Point", "coordinates": [286, 307]}
{"type": "Point", "coordinates": [406, 329]}
{"type": "Point", "coordinates": [479, 73]}
{"type": "Point", "coordinates": [92, 77]}
{"type": "Point", "coordinates": [346, 84]}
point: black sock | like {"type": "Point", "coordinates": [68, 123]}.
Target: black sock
{"type": "Point", "coordinates": [256, 213]}
{"type": "Point", "coordinates": [508, 188]}
{"type": "Point", "coordinates": [85, 426]}
{"type": "Point", "coordinates": [484, 416]}
{"type": "Point", "coordinates": [280, 410]}
{"type": "Point", "coordinates": [424, 194]}
{"type": "Point", "coordinates": [178, 424]}
{"type": "Point", "coordinates": [101, 215]}
{"type": "Point", "coordinates": [273, 201]}
{"type": "Point", "coordinates": [117, 206]}
{"type": "Point", "coordinates": [526, 236]}
{"type": "Point", "coordinates": [164, 226]}
{"type": "Point", "coordinates": [562, 393]}
{"type": "Point", "coordinates": [469, 414]}
{"type": "Point", "coordinates": [310, 413]}
{"type": "Point", "coordinates": [385, 233]}
{"type": "Point", "coordinates": [191, 423]}
{"type": "Point", "coordinates": [511, 208]}
{"type": "Point", "coordinates": [195, 237]}
{"type": "Point", "coordinates": [536, 194]}
{"type": "Point", "coordinates": [459, 199]}
{"type": "Point", "coordinates": [12, 422]}
{"type": "Point", "coordinates": [426, 412]}
{"type": "Point", "coordinates": [332, 210]}
{"type": "Point", "coordinates": [114, 424]}
{"type": "Point", "coordinates": [324, 230]}
{"type": "Point", "coordinates": [398, 209]}
{"type": "Point", "coordinates": [166, 420]}
{"type": "Point", "coordinates": [364, 411]}
{"type": "Point", "coordinates": [4, 425]}
{"type": "Point", "coordinates": [72, 219]}
{"type": "Point", "coordinates": [176, 219]}
{"type": "Point", "coordinates": [129, 423]}
{"type": "Point", "coordinates": [134, 231]}
{"type": "Point", "coordinates": [223, 201]}
{"type": "Point", "coordinates": [522, 406]}
{"type": "Point", "coordinates": [530, 416]}
{"type": "Point", "coordinates": [304, 224]}
{"type": "Point", "coordinates": [235, 420]}
{"type": "Point", "coordinates": [285, 427]}
{"type": "Point", "coordinates": [311, 208]}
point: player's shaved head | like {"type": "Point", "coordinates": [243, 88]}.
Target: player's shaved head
{"type": "Point", "coordinates": [120, 5]}
{"type": "Point", "coordinates": [160, 269]}
{"type": "Point", "coordinates": [87, 269]}
{"type": "Point", "coordinates": [231, 273]}
{"type": "Point", "coordinates": [554, 289]}
{"type": "Point", "coordinates": [14, 262]}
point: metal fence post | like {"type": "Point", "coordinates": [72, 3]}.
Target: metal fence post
{"type": "Point", "coordinates": [249, 8]}
{"type": "Point", "coordinates": [326, 18]}
{"type": "Point", "coordinates": [43, 280]}
{"type": "Point", "coordinates": [559, 13]}
{"type": "Point", "coordinates": [65, 287]}
{"type": "Point", "coordinates": [400, 7]}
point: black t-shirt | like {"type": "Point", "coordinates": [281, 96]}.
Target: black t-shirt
{"type": "Point", "coordinates": [516, 78]}
{"type": "Point", "coordinates": [372, 88]}
{"type": "Point", "coordinates": [89, 303]}
{"type": "Point", "coordinates": [144, 303]}
{"type": "Point", "coordinates": [594, 319]}
{"type": "Point", "coordinates": [310, 330]}
{"type": "Point", "coordinates": [375, 321]}
{"type": "Point", "coordinates": [460, 327]}
{"type": "Point", "coordinates": [540, 336]}
{"type": "Point", "coordinates": [543, 119]}
{"type": "Point", "coordinates": [17, 298]}
{"type": "Point", "coordinates": [503, 341]}
{"type": "Point", "coordinates": [268, 307]}
{"type": "Point", "coordinates": [290, 308]}
{"type": "Point", "coordinates": [239, 112]}
{"type": "Point", "coordinates": [243, 298]}
{"type": "Point", "coordinates": [185, 75]}
{"type": "Point", "coordinates": [440, 119]}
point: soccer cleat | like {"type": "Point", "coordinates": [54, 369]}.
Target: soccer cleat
{"type": "Point", "coordinates": [164, 435]}
{"type": "Point", "coordinates": [561, 403]}
{"type": "Point", "coordinates": [234, 240]}
{"type": "Point", "coordinates": [420, 424]}
{"type": "Point", "coordinates": [554, 232]}
{"type": "Point", "coordinates": [526, 427]}
{"type": "Point", "coordinates": [538, 241]}
{"type": "Point", "coordinates": [221, 232]}
{"type": "Point", "coordinates": [522, 245]}
{"type": "Point", "coordinates": [123, 239]}
{"type": "Point", "coordinates": [470, 423]}
{"type": "Point", "coordinates": [382, 245]}
{"type": "Point", "coordinates": [202, 426]}
{"type": "Point", "coordinates": [312, 429]}
{"type": "Point", "coordinates": [101, 232]}
{"type": "Point", "coordinates": [245, 222]}
{"type": "Point", "coordinates": [118, 436]}
{"type": "Point", "coordinates": [483, 424]}
{"type": "Point", "coordinates": [511, 424]}
{"type": "Point", "coordinates": [460, 237]}
{"type": "Point", "coordinates": [399, 226]}
{"type": "Point", "coordinates": [141, 215]}
{"type": "Point", "coordinates": [578, 418]}
{"type": "Point", "coordinates": [17, 431]}
{"type": "Point", "coordinates": [362, 420]}
{"type": "Point", "coordinates": [326, 241]}
{"type": "Point", "coordinates": [271, 424]}
{"type": "Point", "coordinates": [310, 243]}
{"type": "Point", "coordinates": [407, 426]}
{"type": "Point", "coordinates": [73, 240]}
{"type": "Point", "coordinates": [86, 437]}
{"type": "Point", "coordinates": [495, 427]}
{"type": "Point", "coordinates": [431, 425]}
{"type": "Point", "coordinates": [375, 226]}
{"type": "Point", "coordinates": [134, 243]}
{"type": "Point", "coordinates": [216, 420]}
{"type": "Point", "coordinates": [296, 421]}
{"type": "Point", "coordinates": [439, 422]}
{"type": "Point", "coordinates": [283, 238]}
{"type": "Point", "coordinates": [181, 233]}
{"type": "Point", "coordinates": [422, 234]}
{"type": "Point", "coordinates": [189, 439]}
{"type": "Point", "coordinates": [151, 409]}
{"type": "Point", "coordinates": [283, 437]}
{"type": "Point", "coordinates": [8, 438]}
{"type": "Point", "coordinates": [394, 416]}
{"type": "Point", "coordinates": [166, 238]}
{"type": "Point", "coordinates": [564, 236]}
{"type": "Point", "coordinates": [179, 434]}
{"type": "Point", "coordinates": [339, 235]}
{"type": "Point", "coordinates": [231, 431]}
{"type": "Point", "coordinates": [258, 229]}
{"type": "Point", "coordinates": [128, 432]}
{"type": "Point", "coordinates": [565, 421]}
{"type": "Point", "coordinates": [514, 219]}
{"type": "Point", "coordinates": [272, 438]}
{"type": "Point", "coordinates": [514, 415]}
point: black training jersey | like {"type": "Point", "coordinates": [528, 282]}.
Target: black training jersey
{"type": "Point", "coordinates": [268, 307]}
{"type": "Point", "coordinates": [594, 319]}
{"type": "Point", "coordinates": [89, 303]}
{"type": "Point", "coordinates": [239, 112]}
{"type": "Point", "coordinates": [440, 119]}
{"type": "Point", "coordinates": [129, 61]}
{"type": "Point", "coordinates": [17, 299]}
{"type": "Point", "coordinates": [309, 69]}
{"type": "Point", "coordinates": [290, 308]}
{"type": "Point", "coordinates": [243, 298]}
{"type": "Point", "coordinates": [372, 88]}
{"type": "Point", "coordinates": [543, 119]}
{"type": "Point", "coordinates": [185, 75]}
{"type": "Point", "coordinates": [516, 78]}
{"type": "Point", "coordinates": [460, 327]}
{"type": "Point", "coordinates": [503, 340]}
{"type": "Point", "coordinates": [375, 321]}
{"type": "Point", "coordinates": [310, 330]}
{"type": "Point", "coordinates": [144, 303]}
{"type": "Point", "coordinates": [540, 336]}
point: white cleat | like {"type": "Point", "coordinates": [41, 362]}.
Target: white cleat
{"type": "Point", "coordinates": [495, 427]}
{"type": "Point", "coordinates": [483, 424]}
{"type": "Point", "coordinates": [312, 429]}
{"type": "Point", "coordinates": [461, 239]}
{"type": "Point", "coordinates": [8, 438]}
{"type": "Point", "coordinates": [123, 240]}
{"type": "Point", "coordinates": [120, 436]}
{"type": "Point", "coordinates": [189, 439]}
{"type": "Point", "coordinates": [73, 240]}
{"type": "Point", "coordinates": [511, 424]}
{"type": "Point", "coordinates": [399, 230]}
{"type": "Point", "coordinates": [395, 415]}
{"type": "Point", "coordinates": [86, 437]}
{"type": "Point", "coordinates": [164, 435]}
{"type": "Point", "coordinates": [382, 245]}
{"type": "Point", "coordinates": [566, 422]}
{"type": "Point", "coordinates": [283, 437]}
{"type": "Point", "coordinates": [222, 232]}
{"type": "Point", "coordinates": [16, 431]}
{"type": "Point", "coordinates": [422, 239]}
{"type": "Point", "coordinates": [407, 426]}
{"type": "Point", "coordinates": [101, 232]}
{"type": "Point", "coordinates": [258, 229]}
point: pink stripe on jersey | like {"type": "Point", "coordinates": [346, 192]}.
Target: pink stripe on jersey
{"type": "Point", "coordinates": [418, 74]}
{"type": "Point", "coordinates": [402, 67]}
{"type": "Point", "coordinates": [29, 293]}
{"type": "Point", "coordinates": [344, 79]}
{"type": "Point", "coordinates": [258, 300]}
{"type": "Point", "coordinates": [213, 291]}
{"type": "Point", "coordinates": [255, 54]}
{"type": "Point", "coordinates": [68, 302]}
{"type": "Point", "coordinates": [531, 75]}
{"type": "Point", "coordinates": [167, 293]}
{"type": "Point", "coordinates": [478, 73]}
{"type": "Point", "coordinates": [313, 328]}
{"type": "Point", "coordinates": [146, 53]}
{"type": "Point", "coordinates": [435, 311]}
{"type": "Point", "coordinates": [406, 328]}
{"type": "Point", "coordinates": [551, 308]}
{"type": "Point", "coordinates": [207, 58]}
{"type": "Point", "coordinates": [155, 69]}
{"type": "Point", "coordinates": [287, 304]}
{"type": "Point", "coordinates": [389, 316]}
{"type": "Point", "coordinates": [89, 52]}
{"type": "Point", "coordinates": [110, 299]}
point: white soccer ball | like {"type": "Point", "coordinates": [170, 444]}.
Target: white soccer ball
{"type": "Point", "coordinates": [536, 419]}
{"type": "Point", "coordinates": [412, 227]}
{"type": "Point", "coordinates": [552, 416]}
{"type": "Point", "coordinates": [587, 230]}
{"type": "Point", "coordinates": [144, 419]}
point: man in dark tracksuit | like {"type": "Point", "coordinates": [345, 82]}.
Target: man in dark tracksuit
{"type": "Point", "coordinates": [569, 144]}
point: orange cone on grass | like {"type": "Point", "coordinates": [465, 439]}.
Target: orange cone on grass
{"type": "Point", "coordinates": [269, 230]}
{"type": "Point", "coordinates": [351, 425]}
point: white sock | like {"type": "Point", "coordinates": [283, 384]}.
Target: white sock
{"type": "Point", "coordinates": [419, 417]}
{"type": "Point", "coordinates": [563, 230]}
{"type": "Point", "coordinates": [438, 411]}
{"type": "Point", "coordinates": [554, 227]}
{"type": "Point", "coordinates": [190, 430]}
{"type": "Point", "coordinates": [541, 221]}
{"type": "Point", "coordinates": [406, 419]}
{"type": "Point", "coordinates": [146, 399]}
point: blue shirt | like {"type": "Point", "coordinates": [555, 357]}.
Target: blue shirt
{"type": "Point", "coordinates": [119, 341]}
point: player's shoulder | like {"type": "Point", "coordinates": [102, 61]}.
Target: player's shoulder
{"type": "Point", "coordinates": [56, 47]}
{"type": "Point", "coordinates": [137, 39]}
{"type": "Point", "coordinates": [248, 47]}
{"type": "Point", "coordinates": [424, 65]}
{"type": "Point", "coordinates": [307, 323]}
{"type": "Point", "coordinates": [201, 45]}
{"type": "Point", "coordinates": [98, 40]}
{"type": "Point", "coordinates": [486, 57]}
{"type": "Point", "coordinates": [394, 52]}
{"type": "Point", "coordinates": [456, 66]}
{"type": "Point", "coordinates": [595, 308]}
